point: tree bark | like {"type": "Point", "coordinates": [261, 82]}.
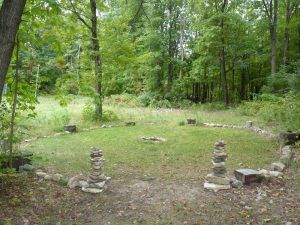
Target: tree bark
{"type": "Point", "coordinates": [97, 59]}
{"type": "Point", "coordinates": [10, 19]}
{"type": "Point", "coordinates": [222, 57]}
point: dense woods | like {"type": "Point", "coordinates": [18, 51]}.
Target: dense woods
{"type": "Point", "coordinates": [162, 50]}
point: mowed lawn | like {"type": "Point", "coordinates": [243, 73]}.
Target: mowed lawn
{"type": "Point", "coordinates": [186, 153]}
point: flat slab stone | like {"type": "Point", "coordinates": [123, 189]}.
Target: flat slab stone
{"type": "Point", "coordinates": [210, 178]}
{"type": "Point", "coordinates": [92, 190]}
{"type": "Point", "coordinates": [216, 187]}
{"type": "Point", "coordinates": [247, 176]}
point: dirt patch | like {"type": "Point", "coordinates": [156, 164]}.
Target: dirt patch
{"type": "Point", "coordinates": [28, 201]}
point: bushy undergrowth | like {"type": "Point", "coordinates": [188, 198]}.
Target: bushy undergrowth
{"type": "Point", "coordinates": [89, 114]}
{"type": "Point", "coordinates": [282, 111]}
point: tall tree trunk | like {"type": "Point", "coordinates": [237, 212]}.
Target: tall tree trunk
{"type": "Point", "coordinates": [13, 112]}
{"type": "Point", "coordinates": [222, 57]}
{"type": "Point", "coordinates": [97, 60]}
{"type": "Point", "coordinates": [10, 18]}
{"type": "Point", "coordinates": [288, 14]}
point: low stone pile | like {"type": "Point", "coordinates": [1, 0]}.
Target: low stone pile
{"type": "Point", "coordinates": [284, 160]}
{"type": "Point", "coordinates": [218, 180]}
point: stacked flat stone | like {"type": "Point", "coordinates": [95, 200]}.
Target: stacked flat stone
{"type": "Point", "coordinates": [218, 180]}
{"type": "Point", "coordinates": [97, 179]}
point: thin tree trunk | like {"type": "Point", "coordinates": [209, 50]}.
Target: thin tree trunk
{"type": "Point", "coordinates": [222, 57]}
{"type": "Point", "coordinates": [274, 37]}
{"type": "Point", "coordinates": [286, 31]}
{"type": "Point", "coordinates": [97, 60]}
{"type": "Point", "coordinates": [13, 113]}
{"type": "Point", "coordinates": [10, 18]}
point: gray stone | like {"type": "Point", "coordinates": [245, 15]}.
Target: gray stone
{"type": "Point", "coordinates": [249, 124]}
{"type": "Point", "coordinates": [92, 190]}
{"type": "Point", "coordinates": [216, 187]}
{"type": "Point", "coordinates": [210, 178]}
{"type": "Point", "coordinates": [265, 174]}
{"type": "Point", "coordinates": [57, 177]}
{"type": "Point", "coordinates": [27, 168]}
{"type": "Point", "coordinates": [83, 183]}
{"type": "Point", "coordinates": [278, 166]}
{"type": "Point", "coordinates": [236, 183]}
{"type": "Point", "coordinates": [48, 177]}
{"type": "Point", "coordinates": [276, 174]}
{"type": "Point", "coordinates": [40, 175]}
{"type": "Point", "coordinates": [74, 181]}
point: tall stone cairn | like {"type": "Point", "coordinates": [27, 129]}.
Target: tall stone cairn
{"type": "Point", "coordinates": [218, 180]}
{"type": "Point", "coordinates": [97, 180]}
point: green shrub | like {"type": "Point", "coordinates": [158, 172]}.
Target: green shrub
{"type": "Point", "coordinates": [127, 100]}
{"type": "Point", "coordinates": [283, 111]}
{"type": "Point", "coordinates": [90, 115]}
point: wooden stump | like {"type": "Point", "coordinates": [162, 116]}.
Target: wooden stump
{"type": "Point", "coordinates": [130, 124]}
{"type": "Point", "coordinates": [247, 176]}
{"type": "Point", "coordinates": [288, 138]}
{"type": "Point", "coordinates": [191, 121]}
{"type": "Point", "coordinates": [70, 128]}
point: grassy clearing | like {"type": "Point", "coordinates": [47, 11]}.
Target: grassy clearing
{"type": "Point", "coordinates": [186, 153]}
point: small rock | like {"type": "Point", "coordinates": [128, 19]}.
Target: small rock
{"type": "Point", "coordinates": [57, 177]}
{"type": "Point", "coordinates": [276, 174]}
{"type": "Point", "coordinates": [236, 183]}
{"type": "Point", "coordinates": [48, 177]}
{"type": "Point", "coordinates": [248, 207]}
{"type": "Point", "coordinates": [41, 175]}
{"type": "Point", "coordinates": [278, 166]}
{"type": "Point", "coordinates": [74, 182]}
{"type": "Point", "coordinates": [83, 183]}
{"type": "Point", "coordinates": [288, 223]}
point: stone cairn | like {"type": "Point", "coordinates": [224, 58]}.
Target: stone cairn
{"type": "Point", "coordinates": [218, 180]}
{"type": "Point", "coordinates": [97, 180]}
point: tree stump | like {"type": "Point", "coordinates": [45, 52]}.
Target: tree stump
{"type": "Point", "coordinates": [130, 124]}
{"type": "Point", "coordinates": [247, 176]}
{"type": "Point", "coordinates": [288, 138]}
{"type": "Point", "coordinates": [70, 128]}
{"type": "Point", "coordinates": [191, 121]}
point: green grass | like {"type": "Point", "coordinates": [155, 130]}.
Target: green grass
{"type": "Point", "coordinates": [186, 154]}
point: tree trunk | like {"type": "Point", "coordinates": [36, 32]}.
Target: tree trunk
{"type": "Point", "coordinates": [10, 18]}
{"type": "Point", "coordinates": [274, 37]}
{"type": "Point", "coordinates": [13, 112]}
{"type": "Point", "coordinates": [97, 60]}
{"type": "Point", "coordinates": [222, 57]}
{"type": "Point", "coordinates": [286, 31]}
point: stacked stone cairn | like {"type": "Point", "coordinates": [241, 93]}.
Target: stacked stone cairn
{"type": "Point", "coordinates": [97, 180]}
{"type": "Point", "coordinates": [218, 180]}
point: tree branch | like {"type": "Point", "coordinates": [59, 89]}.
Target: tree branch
{"type": "Point", "coordinates": [79, 16]}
